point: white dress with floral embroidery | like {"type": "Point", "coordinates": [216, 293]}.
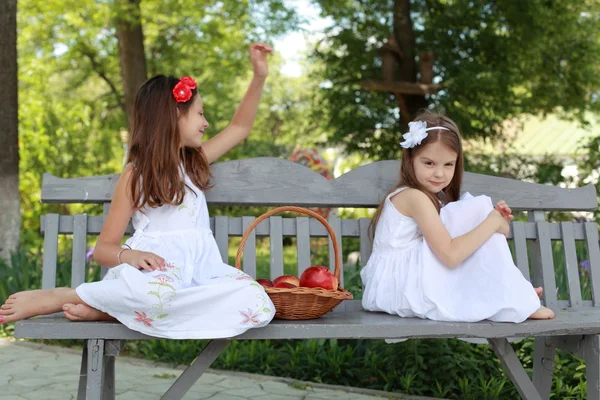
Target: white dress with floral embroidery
{"type": "Point", "coordinates": [404, 277]}
{"type": "Point", "coordinates": [197, 296]}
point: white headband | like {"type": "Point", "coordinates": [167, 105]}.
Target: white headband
{"type": "Point", "coordinates": [417, 131]}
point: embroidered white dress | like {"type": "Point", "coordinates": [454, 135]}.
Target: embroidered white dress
{"type": "Point", "coordinates": [197, 296]}
{"type": "Point", "coordinates": [404, 277]}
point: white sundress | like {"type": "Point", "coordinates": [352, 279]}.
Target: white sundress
{"type": "Point", "coordinates": [404, 277]}
{"type": "Point", "coordinates": [197, 296]}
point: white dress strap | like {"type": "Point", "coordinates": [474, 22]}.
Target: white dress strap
{"type": "Point", "coordinates": [395, 192]}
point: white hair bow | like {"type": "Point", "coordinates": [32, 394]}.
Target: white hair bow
{"type": "Point", "coordinates": [417, 131]}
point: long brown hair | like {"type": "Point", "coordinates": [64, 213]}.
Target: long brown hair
{"type": "Point", "coordinates": [451, 138]}
{"type": "Point", "coordinates": [155, 148]}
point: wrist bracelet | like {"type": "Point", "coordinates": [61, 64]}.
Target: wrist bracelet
{"type": "Point", "coordinates": [119, 256]}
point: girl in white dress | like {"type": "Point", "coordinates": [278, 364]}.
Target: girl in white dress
{"type": "Point", "coordinates": [168, 280]}
{"type": "Point", "coordinates": [449, 263]}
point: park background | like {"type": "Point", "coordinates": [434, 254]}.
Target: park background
{"type": "Point", "coordinates": [521, 79]}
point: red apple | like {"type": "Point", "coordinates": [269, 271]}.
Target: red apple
{"type": "Point", "coordinates": [284, 285]}
{"type": "Point", "coordinates": [318, 276]}
{"type": "Point", "coordinates": [265, 282]}
{"type": "Point", "coordinates": [291, 279]}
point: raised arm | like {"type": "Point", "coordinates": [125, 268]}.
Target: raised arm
{"type": "Point", "coordinates": [451, 252]}
{"type": "Point", "coordinates": [241, 124]}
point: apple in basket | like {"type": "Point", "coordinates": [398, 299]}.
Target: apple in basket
{"type": "Point", "coordinates": [291, 279]}
{"type": "Point", "coordinates": [264, 282]}
{"type": "Point", "coordinates": [285, 285]}
{"type": "Point", "coordinates": [318, 276]}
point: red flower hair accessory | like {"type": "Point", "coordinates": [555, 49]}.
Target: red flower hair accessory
{"type": "Point", "coordinates": [183, 89]}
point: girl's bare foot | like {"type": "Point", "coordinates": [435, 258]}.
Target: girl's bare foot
{"type": "Point", "coordinates": [542, 313]}
{"type": "Point", "coordinates": [83, 312]}
{"type": "Point", "coordinates": [36, 302]}
{"type": "Point", "coordinates": [539, 291]}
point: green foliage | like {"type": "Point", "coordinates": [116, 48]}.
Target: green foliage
{"type": "Point", "coordinates": [495, 60]}
{"type": "Point", "coordinates": [71, 118]}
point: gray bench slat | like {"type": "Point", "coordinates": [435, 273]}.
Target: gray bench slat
{"type": "Point", "coordinates": [571, 266]}
{"type": "Point", "coordinates": [520, 241]}
{"type": "Point", "coordinates": [79, 250]}
{"type": "Point", "coordinates": [350, 228]}
{"type": "Point", "coordinates": [105, 208]}
{"type": "Point", "coordinates": [546, 268]}
{"type": "Point", "coordinates": [591, 239]}
{"type": "Point", "coordinates": [336, 225]}
{"type": "Point", "coordinates": [303, 243]}
{"type": "Point", "coordinates": [221, 236]}
{"type": "Point", "coordinates": [341, 325]}
{"type": "Point", "coordinates": [276, 245]}
{"type": "Point", "coordinates": [249, 258]}
{"type": "Point", "coordinates": [50, 251]}
{"type": "Point", "coordinates": [366, 244]}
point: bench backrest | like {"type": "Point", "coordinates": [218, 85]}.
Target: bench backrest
{"type": "Point", "coordinates": [276, 182]}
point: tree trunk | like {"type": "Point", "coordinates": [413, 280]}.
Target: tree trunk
{"type": "Point", "coordinates": [405, 37]}
{"type": "Point", "coordinates": [10, 214]}
{"type": "Point", "coordinates": [131, 51]}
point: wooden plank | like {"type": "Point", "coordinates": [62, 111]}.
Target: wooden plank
{"type": "Point", "coordinates": [341, 325]}
{"type": "Point", "coordinates": [192, 373]}
{"type": "Point", "coordinates": [105, 209]}
{"type": "Point", "coordinates": [591, 242]}
{"type": "Point", "coordinates": [520, 241]}
{"type": "Point", "coordinates": [249, 260]}
{"type": "Point", "coordinates": [571, 265]}
{"type": "Point", "coordinates": [337, 228]}
{"type": "Point", "coordinates": [541, 260]}
{"type": "Point", "coordinates": [548, 279]}
{"type": "Point", "coordinates": [273, 181]}
{"type": "Point", "coordinates": [79, 250]}
{"type": "Point", "coordinates": [401, 87]}
{"type": "Point", "coordinates": [514, 369]}
{"type": "Point", "coordinates": [276, 246]}
{"type": "Point", "coordinates": [303, 243]}
{"type": "Point", "coordinates": [222, 237]}
{"type": "Point", "coordinates": [50, 251]}
{"type": "Point", "coordinates": [366, 244]}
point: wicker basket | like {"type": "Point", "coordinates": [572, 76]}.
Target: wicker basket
{"type": "Point", "coordinates": [301, 302]}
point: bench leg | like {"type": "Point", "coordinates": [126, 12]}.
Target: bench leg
{"type": "Point", "coordinates": [112, 348]}
{"type": "Point", "coordinates": [591, 355]}
{"type": "Point", "coordinates": [108, 389]}
{"type": "Point", "coordinates": [192, 373]}
{"type": "Point", "coordinates": [83, 373]}
{"type": "Point", "coordinates": [95, 369]}
{"type": "Point", "coordinates": [543, 366]}
{"type": "Point", "coordinates": [514, 369]}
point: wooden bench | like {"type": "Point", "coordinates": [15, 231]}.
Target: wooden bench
{"type": "Point", "coordinates": [275, 182]}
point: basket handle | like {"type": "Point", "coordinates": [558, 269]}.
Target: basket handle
{"type": "Point", "coordinates": [298, 210]}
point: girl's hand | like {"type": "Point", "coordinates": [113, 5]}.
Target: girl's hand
{"type": "Point", "coordinates": [503, 226]}
{"type": "Point", "coordinates": [143, 260]}
{"type": "Point", "coordinates": [258, 56]}
{"type": "Point", "coordinates": [504, 210]}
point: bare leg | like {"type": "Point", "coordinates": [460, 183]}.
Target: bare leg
{"type": "Point", "coordinates": [542, 313]}
{"type": "Point", "coordinates": [83, 312]}
{"type": "Point", "coordinates": [539, 291]}
{"type": "Point", "coordinates": [32, 303]}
